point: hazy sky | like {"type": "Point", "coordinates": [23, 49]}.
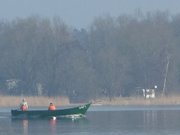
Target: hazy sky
{"type": "Point", "coordinates": [80, 13]}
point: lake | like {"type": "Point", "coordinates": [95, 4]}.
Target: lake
{"type": "Point", "coordinates": [100, 120]}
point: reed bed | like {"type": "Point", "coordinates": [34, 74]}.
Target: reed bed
{"type": "Point", "coordinates": [13, 101]}
{"type": "Point", "coordinates": [170, 100]}
{"type": "Point", "coordinates": [9, 101]}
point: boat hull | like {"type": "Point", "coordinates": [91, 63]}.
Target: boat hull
{"type": "Point", "coordinates": [79, 110]}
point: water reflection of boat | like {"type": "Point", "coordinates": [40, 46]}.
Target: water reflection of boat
{"type": "Point", "coordinates": [25, 126]}
{"type": "Point", "coordinates": [68, 112]}
{"type": "Point", "coordinates": [53, 123]}
{"type": "Point", "coordinates": [44, 126]}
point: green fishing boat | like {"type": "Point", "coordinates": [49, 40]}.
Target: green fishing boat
{"type": "Point", "coordinates": [73, 111]}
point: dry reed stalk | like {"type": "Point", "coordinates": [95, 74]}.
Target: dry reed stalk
{"type": "Point", "coordinates": [7, 101]}
{"type": "Point", "coordinates": [171, 100]}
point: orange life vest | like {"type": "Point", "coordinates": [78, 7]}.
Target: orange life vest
{"type": "Point", "coordinates": [52, 107]}
{"type": "Point", "coordinates": [23, 107]}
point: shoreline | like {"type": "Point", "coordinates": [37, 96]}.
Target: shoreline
{"type": "Point", "coordinates": [130, 101]}
{"type": "Point", "coordinates": [43, 101]}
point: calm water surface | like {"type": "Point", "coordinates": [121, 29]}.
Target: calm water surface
{"type": "Point", "coordinates": [100, 120]}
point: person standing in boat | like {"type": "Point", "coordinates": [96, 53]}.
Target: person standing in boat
{"type": "Point", "coordinates": [52, 107]}
{"type": "Point", "coordinates": [23, 105]}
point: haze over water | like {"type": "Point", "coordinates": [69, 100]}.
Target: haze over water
{"type": "Point", "coordinates": [100, 120]}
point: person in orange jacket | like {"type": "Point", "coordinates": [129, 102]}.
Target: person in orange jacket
{"type": "Point", "coordinates": [23, 105]}
{"type": "Point", "coordinates": [52, 107]}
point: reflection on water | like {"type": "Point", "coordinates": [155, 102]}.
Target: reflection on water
{"type": "Point", "coordinates": [43, 126]}
{"type": "Point", "coordinates": [33, 126]}
{"type": "Point", "coordinates": [52, 123]}
{"type": "Point", "coordinates": [129, 122]}
{"type": "Point", "coordinates": [25, 126]}
{"type": "Point", "coordinates": [161, 120]}
{"type": "Point", "coordinates": [150, 119]}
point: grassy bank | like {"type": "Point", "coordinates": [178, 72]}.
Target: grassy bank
{"type": "Point", "coordinates": [13, 101]}
{"type": "Point", "coordinates": [8, 101]}
{"type": "Point", "coordinates": [170, 100]}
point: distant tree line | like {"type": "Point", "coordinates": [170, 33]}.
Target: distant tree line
{"type": "Point", "coordinates": [113, 57]}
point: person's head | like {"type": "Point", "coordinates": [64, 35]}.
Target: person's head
{"type": "Point", "coordinates": [51, 103]}
{"type": "Point", "coordinates": [23, 100]}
